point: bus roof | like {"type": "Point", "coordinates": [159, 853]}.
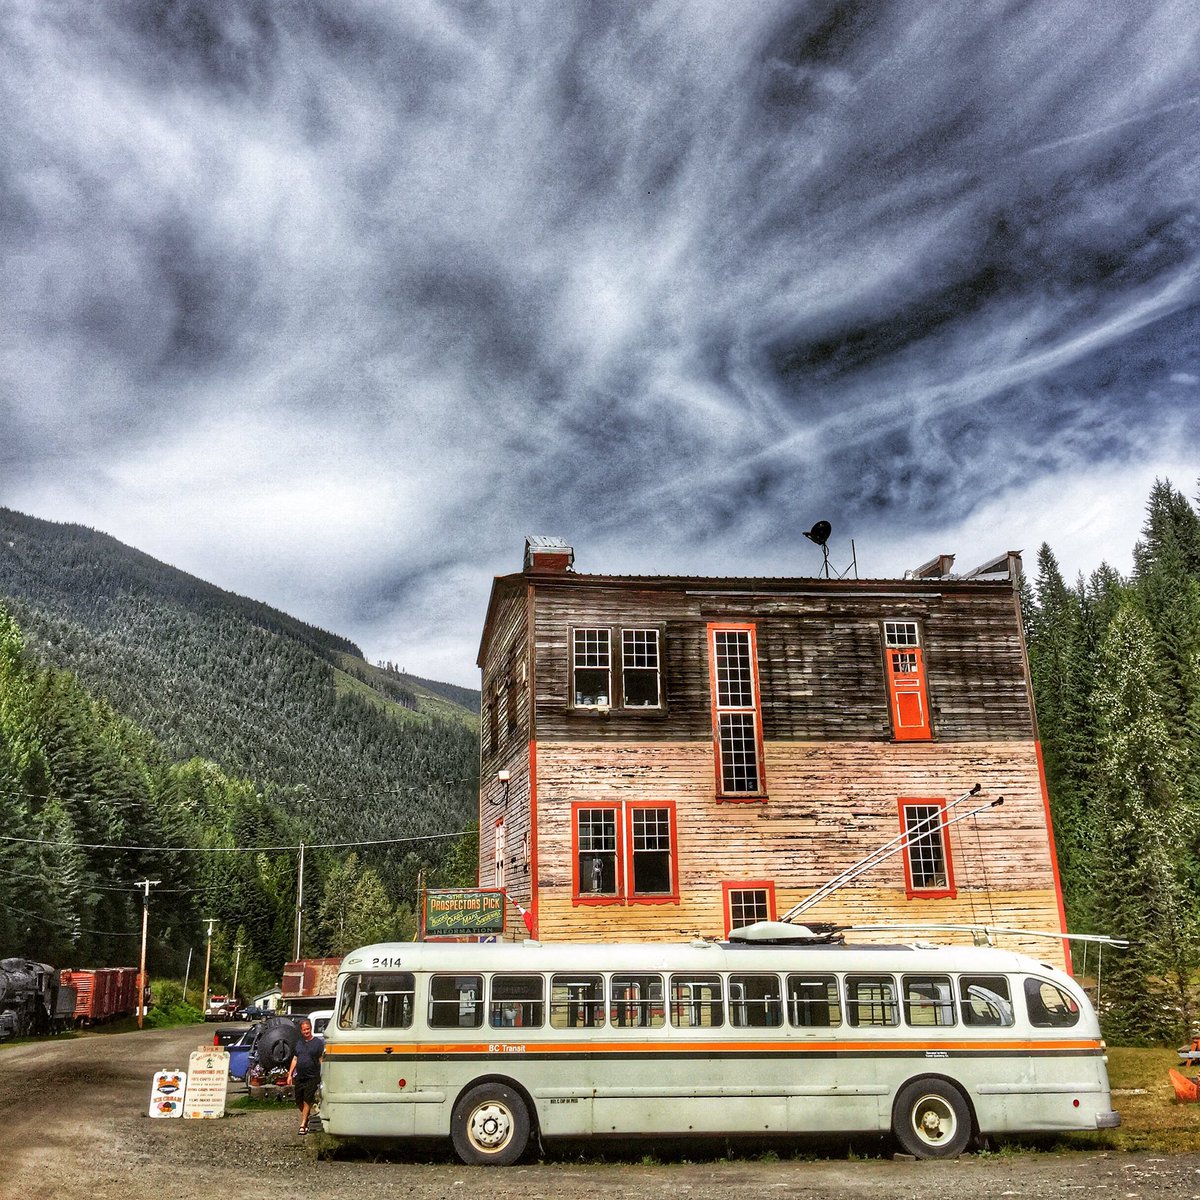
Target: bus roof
{"type": "Point", "coordinates": [697, 955]}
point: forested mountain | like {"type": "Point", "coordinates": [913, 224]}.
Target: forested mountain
{"type": "Point", "coordinates": [1116, 674]}
{"type": "Point", "coordinates": [137, 695]}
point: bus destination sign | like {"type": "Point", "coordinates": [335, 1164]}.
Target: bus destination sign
{"type": "Point", "coordinates": [465, 912]}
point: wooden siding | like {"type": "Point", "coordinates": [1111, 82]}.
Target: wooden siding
{"type": "Point", "coordinates": [506, 662]}
{"type": "Point", "coordinates": [829, 805]}
{"type": "Point", "coordinates": [820, 659]}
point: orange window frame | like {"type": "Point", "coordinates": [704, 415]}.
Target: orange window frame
{"type": "Point", "coordinates": [907, 686]}
{"type": "Point", "coordinates": [632, 897]}
{"type": "Point", "coordinates": [755, 709]}
{"type": "Point", "coordinates": [592, 898]}
{"type": "Point", "coordinates": [729, 886]}
{"type": "Point", "coordinates": [949, 889]}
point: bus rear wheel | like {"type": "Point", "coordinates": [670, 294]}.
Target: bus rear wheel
{"type": "Point", "coordinates": [490, 1126]}
{"type": "Point", "coordinates": [931, 1119]}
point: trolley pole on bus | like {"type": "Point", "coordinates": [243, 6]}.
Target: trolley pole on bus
{"type": "Point", "coordinates": [145, 885]}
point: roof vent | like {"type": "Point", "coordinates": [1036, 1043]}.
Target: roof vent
{"type": "Point", "coordinates": [935, 568]}
{"type": "Point", "coordinates": [547, 553]}
{"type": "Point", "coordinates": [1003, 566]}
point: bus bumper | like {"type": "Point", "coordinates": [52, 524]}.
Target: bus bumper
{"type": "Point", "coordinates": [1108, 1120]}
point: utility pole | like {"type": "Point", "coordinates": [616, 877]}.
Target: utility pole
{"type": "Point", "coordinates": [237, 962]}
{"type": "Point", "coordinates": [187, 975]}
{"type": "Point", "coordinates": [299, 902]}
{"type": "Point", "coordinates": [207, 959]}
{"type": "Point", "coordinates": [146, 885]}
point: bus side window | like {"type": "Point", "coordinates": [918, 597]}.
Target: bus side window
{"type": "Point", "coordinates": [696, 1002]}
{"type": "Point", "coordinates": [517, 1002]}
{"type": "Point", "coordinates": [871, 1000]}
{"type": "Point", "coordinates": [813, 1001]}
{"type": "Point", "coordinates": [755, 1001]}
{"type": "Point", "coordinates": [1049, 1006]}
{"type": "Point", "coordinates": [455, 1001]}
{"type": "Point", "coordinates": [986, 1000]}
{"type": "Point", "coordinates": [637, 1000]}
{"type": "Point", "coordinates": [377, 1002]}
{"type": "Point", "coordinates": [928, 1000]}
{"type": "Point", "coordinates": [577, 1001]}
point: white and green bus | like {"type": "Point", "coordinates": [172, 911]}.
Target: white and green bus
{"type": "Point", "coordinates": [497, 1046]}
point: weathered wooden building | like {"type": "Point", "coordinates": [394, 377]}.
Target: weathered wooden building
{"type": "Point", "coordinates": [672, 755]}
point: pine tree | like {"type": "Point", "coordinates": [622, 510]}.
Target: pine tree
{"type": "Point", "coordinates": [1145, 897]}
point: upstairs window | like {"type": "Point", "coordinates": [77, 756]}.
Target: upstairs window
{"type": "Point", "coordinates": [625, 854]}
{"type": "Point", "coordinates": [640, 678]}
{"type": "Point", "coordinates": [650, 853]}
{"type": "Point", "coordinates": [908, 697]}
{"type": "Point", "coordinates": [747, 903]}
{"type": "Point", "coordinates": [596, 857]}
{"type": "Point", "coordinates": [737, 730]}
{"type": "Point", "coordinates": [927, 868]}
{"type": "Point", "coordinates": [592, 668]}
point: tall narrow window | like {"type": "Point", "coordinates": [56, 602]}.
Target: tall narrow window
{"type": "Point", "coordinates": [650, 853]}
{"type": "Point", "coordinates": [928, 871]}
{"type": "Point", "coordinates": [499, 854]}
{"type": "Point", "coordinates": [746, 903]}
{"type": "Point", "coordinates": [640, 681]}
{"type": "Point", "coordinates": [596, 852]}
{"type": "Point", "coordinates": [737, 736]}
{"type": "Point", "coordinates": [592, 668]}
{"type": "Point", "coordinates": [907, 691]}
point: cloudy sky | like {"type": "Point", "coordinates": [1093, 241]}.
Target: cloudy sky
{"type": "Point", "coordinates": [333, 301]}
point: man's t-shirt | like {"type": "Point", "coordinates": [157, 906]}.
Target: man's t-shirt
{"type": "Point", "coordinates": [308, 1058]}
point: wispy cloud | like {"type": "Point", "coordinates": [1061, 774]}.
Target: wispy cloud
{"type": "Point", "coordinates": [334, 301]}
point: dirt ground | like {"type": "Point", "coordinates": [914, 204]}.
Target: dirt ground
{"type": "Point", "coordinates": [73, 1124]}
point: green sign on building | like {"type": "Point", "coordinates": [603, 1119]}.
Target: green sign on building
{"type": "Point", "coordinates": [464, 912]}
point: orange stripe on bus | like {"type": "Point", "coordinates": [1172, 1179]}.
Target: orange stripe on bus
{"type": "Point", "coordinates": [501, 1049]}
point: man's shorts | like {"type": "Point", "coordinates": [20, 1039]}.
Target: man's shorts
{"type": "Point", "coordinates": [304, 1091]}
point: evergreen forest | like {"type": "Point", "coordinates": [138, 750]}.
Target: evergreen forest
{"type": "Point", "coordinates": [153, 726]}
{"type": "Point", "coordinates": [1116, 675]}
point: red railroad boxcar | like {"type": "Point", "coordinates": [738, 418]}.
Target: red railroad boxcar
{"type": "Point", "coordinates": [102, 993]}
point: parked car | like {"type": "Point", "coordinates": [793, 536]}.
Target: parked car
{"type": "Point", "coordinates": [252, 1012]}
{"type": "Point", "coordinates": [320, 1020]}
{"type": "Point", "coordinates": [239, 1052]}
{"type": "Point", "coordinates": [226, 1037]}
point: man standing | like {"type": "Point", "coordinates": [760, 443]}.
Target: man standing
{"type": "Point", "coordinates": [304, 1074]}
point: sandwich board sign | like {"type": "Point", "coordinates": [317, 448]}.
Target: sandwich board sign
{"type": "Point", "coordinates": [207, 1077]}
{"type": "Point", "coordinates": [166, 1093]}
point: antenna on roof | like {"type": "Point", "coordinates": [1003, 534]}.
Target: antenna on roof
{"type": "Point", "coordinates": [819, 536]}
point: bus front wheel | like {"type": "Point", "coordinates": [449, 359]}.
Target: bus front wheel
{"type": "Point", "coordinates": [931, 1119]}
{"type": "Point", "coordinates": [490, 1126]}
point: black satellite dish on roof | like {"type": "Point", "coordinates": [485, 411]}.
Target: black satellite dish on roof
{"type": "Point", "coordinates": [819, 533]}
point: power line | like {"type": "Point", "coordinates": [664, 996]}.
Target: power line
{"type": "Point", "coordinates": [92, 887]}
{"type": "Point", "coordinates": [65, 924]}
{"type": "Point", "coordinates": [429, 837]}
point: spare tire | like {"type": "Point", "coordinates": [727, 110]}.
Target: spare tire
{"type": "Point", "coordinates": [276, 1042]}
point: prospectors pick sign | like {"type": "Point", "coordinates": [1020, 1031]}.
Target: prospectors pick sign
{"type": "Point", "coordinates": [464, 913]}
{"type": "Point", "coordinates": [207, 1077]}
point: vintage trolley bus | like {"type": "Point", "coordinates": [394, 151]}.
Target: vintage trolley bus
{"type": "Point", "coordinates": [496, 1046]}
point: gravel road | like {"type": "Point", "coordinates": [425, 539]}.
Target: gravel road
{"type": "Point", "coordinates": [73, 1125]}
